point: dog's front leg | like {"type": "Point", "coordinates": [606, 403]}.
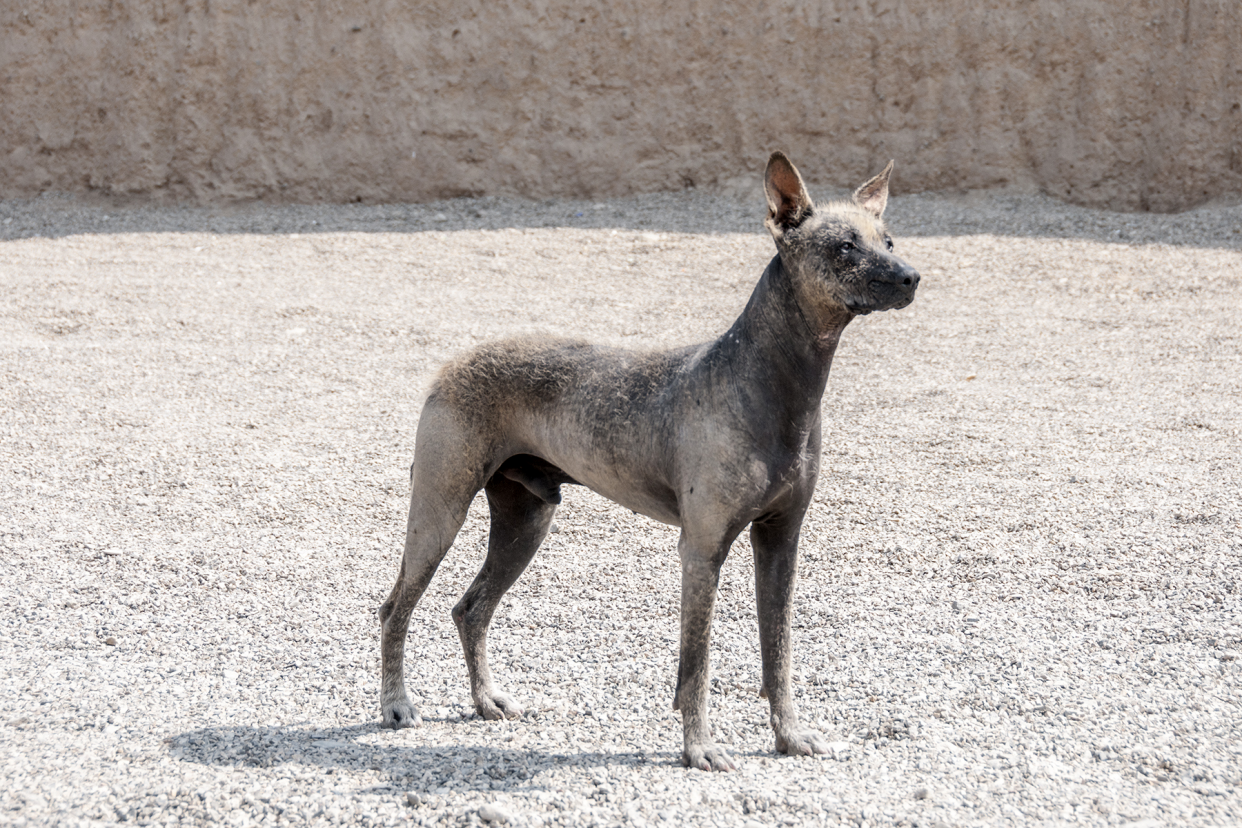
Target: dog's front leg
{"type": "Point", "coordinates": [776, 569]}
{"type": "Point", "coordinates": [700, 576]}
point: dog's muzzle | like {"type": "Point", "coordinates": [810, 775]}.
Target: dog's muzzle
{"type": "Point", "coordinates": [894, 288]}
{"type": "Point", "coordinates": [905, 279]}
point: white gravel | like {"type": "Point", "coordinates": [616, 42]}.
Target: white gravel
{"type": "Point", "coordinates": [1020, 596]}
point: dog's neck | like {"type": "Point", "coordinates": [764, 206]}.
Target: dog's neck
{"type": "Point", "coordinates": [782, 347]}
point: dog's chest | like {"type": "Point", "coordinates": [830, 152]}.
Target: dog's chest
{"type": "Point", "coordinates": [782, 469]}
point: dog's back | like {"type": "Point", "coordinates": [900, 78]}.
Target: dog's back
{"type": "Point", "coordinates": [588, 410]}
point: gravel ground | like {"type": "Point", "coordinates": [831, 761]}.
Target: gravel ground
{"type": "Point", "coordinates": [1020, 598]}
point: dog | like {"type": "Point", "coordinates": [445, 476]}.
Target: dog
{"type": "Point", "coordinates": [711, 438]}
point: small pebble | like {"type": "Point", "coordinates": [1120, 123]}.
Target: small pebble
{"type": "Point", "coordinates": [838, 750]}
{"type": "Point", "coordinates": [491, 812]}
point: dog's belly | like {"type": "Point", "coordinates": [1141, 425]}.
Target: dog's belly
{"type": "Point", "coordinates": [630, 478]}
{"type": "Point", "coordinates": [646, 497]}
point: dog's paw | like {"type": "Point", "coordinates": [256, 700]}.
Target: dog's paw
{"type": "Point", "coordinates": [494, 706]}
{"type": "Point", "coordinates": [801, 743]}
{"type": "Point", "coordinates": [400, 714]}
{"type": "Point", "coordinates": [708, 756]}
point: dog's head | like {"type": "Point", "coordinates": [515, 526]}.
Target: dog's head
{"type": "Point", "coordinates": [840, 256]}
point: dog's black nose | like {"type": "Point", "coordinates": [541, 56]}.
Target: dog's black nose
{"type": "Point", "coordinates": [909, 278]}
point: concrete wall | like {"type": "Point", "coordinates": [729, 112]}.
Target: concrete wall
{"type": "Point", "coordinates": [1130, 104]}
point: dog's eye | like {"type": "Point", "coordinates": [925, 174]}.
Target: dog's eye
{"type": "Point", "coordinates": [888, 242]}
{"type": "Point", "coordinates": [846, 247]}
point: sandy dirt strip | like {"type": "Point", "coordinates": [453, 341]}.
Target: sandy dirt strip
{"type": "Point", "coordinates": [1020, 600]}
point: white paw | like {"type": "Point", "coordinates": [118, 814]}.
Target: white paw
{"type": "Point", "coordinates": [707, 756]}
{"type": "Point", "coordinates": [401, 714]}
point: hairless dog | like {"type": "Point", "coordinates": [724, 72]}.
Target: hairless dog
{"type": "Point", "coordinates": [710, 438]}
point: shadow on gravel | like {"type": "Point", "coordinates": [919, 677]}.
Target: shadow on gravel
{"type": "Point", "coordinates": [999, 213]}
{"type": "Point", "coordinates": [427, 767]}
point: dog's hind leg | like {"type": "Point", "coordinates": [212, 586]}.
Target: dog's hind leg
{"type": "Point", "coordinates": [447, 474]}
{"type": "Point", "coordinates": [520, 521]}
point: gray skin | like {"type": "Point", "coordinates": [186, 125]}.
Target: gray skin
{"type": "Point", "coordinates": [710, 438]}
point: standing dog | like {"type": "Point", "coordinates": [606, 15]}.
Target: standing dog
{"type": "Point", "coordinates": [710, 438]}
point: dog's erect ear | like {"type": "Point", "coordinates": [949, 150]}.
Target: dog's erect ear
{"type": "Point", "coordinates": [873, 196]}
{"type": "Point", "coordinates": [788, 202]}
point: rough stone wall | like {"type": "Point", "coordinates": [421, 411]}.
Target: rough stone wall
{"type": "Point", "coordinates": [1130, 104]}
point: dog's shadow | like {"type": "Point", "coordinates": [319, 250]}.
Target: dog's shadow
{"type": "Point", "coordinates": [425, 767]}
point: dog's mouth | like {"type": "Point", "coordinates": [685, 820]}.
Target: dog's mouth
{"type": "Point", "coordinates": [889, 301]}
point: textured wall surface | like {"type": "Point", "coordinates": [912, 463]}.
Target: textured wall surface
{"type": "Point", "coordinates": [1130, 104]}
